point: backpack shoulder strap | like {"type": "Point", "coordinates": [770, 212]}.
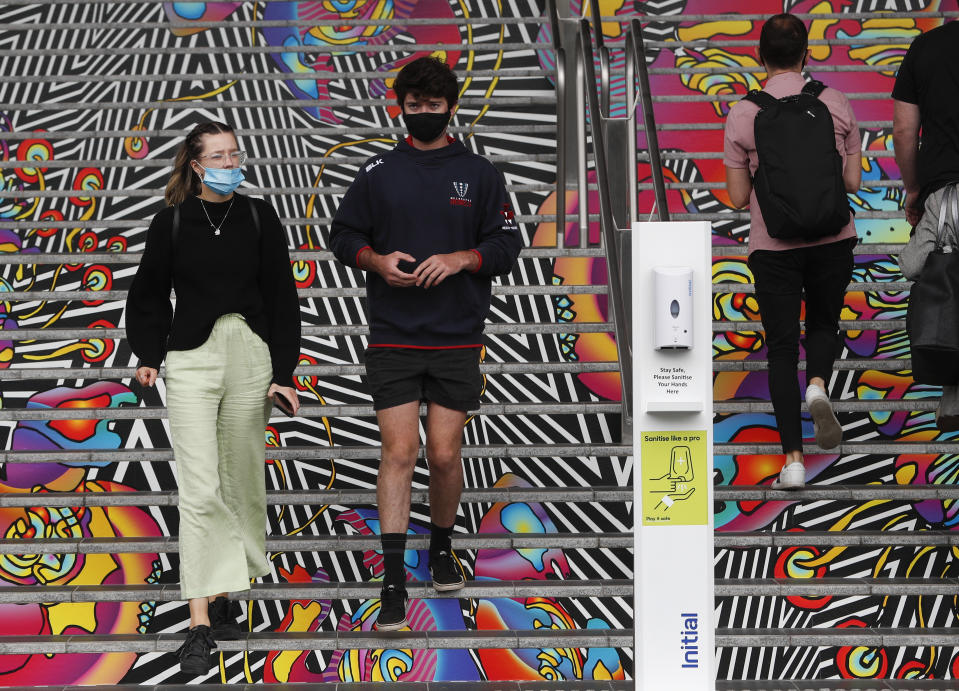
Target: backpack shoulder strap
{"type": "Point", "coordinates": [813, 88]}
{"type": "Point", "coordinates": [761, 98]}
{"type": "Point", "coordinates": [175, 228]}
{"type": "Point", "coordinates": [256, 216]}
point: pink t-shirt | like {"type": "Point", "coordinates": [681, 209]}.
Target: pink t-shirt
{"type": "Point", "coordinates": [740, 152]}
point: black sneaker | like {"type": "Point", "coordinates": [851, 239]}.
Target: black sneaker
{"type": "Point", "coordinates": [223, 614]}
{"type": "Point", "coordinates": [446, 571]}
{"type": "Point", "coordinates": [194, 654]}
{"type": "Point", "coordinates": [392, 614]}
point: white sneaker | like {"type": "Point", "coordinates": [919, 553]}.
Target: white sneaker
{"type": "Point", "coordinates": [792, 476]}
{"type": "Point", "coordinates": [828, 430]}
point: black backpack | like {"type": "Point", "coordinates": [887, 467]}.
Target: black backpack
{"type": "Point", "coordinates": [799, 181]}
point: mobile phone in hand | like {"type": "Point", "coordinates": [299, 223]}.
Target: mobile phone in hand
{"type": "Point", "coordinates": [406, 266]}
{"type": "Point", "coordinates": [283, 403]}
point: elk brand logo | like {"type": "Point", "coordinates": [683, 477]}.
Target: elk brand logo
{"type": "Point", "coordinates": [374, 164]}
{"type": "Point", "coordinates": [689, 643]}
{"type": "Point", "coordinates": [461, 188]}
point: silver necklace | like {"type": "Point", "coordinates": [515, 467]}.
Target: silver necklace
{"type": "Point", "coordinates": [214, 227]}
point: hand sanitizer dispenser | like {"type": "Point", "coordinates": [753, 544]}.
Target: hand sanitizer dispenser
{"type": "Point", "coordinates": [673, 307]}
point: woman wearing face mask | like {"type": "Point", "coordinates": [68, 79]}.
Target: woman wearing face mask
{"type": "Point", "coordinates": [230, 348]}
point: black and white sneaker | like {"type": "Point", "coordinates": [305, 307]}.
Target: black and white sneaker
{"type": "Point", "coordinates": [446, 571]}
{"type": "Point", "coordinates": [194, 654]}
{"type": "Point", "coordinates": [223, 614]}
{"type": "Point", "coordinates": [392, 616]}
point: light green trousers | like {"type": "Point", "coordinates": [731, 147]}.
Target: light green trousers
{"type": "Point", "coordinates": [218, 411]}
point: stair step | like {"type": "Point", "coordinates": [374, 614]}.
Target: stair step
{"type": "Point", "coordinates": [302, 293]}
{"type": "Point", "coordinates": [850, 364]}
{"type": "Point", "coordinates": [865, 637]}
{"type": "Point", "coordinates": [780, 587]}
{"type": "Point", "coordinates": [345, 497]}
{"type": "Point", "coordinates": [498, 289]}
{"type": "Point", "coordinates": [333, 330]}
{"type": "Point", "coordinates": [839, 587]}
{"type": "Point", "coordinates": [331, 543]}
{"type": "Point", "coordinates": [315, 129]}
{"type": "Point", "coordinates": [844, 325]}
{"type": "Point", "coordinates": [564, 685]}
{"type": "Point", "coordinates": [321, 190]}
{"type": "Point", "coordinates": [126, 51]}
{"type": "Point", "coordinates": [319, 590]}
{"type": "Point", "coordinates": [726, 287]}
{"type": "Point", "coordinates": [162, 163]}
{"type": "Point", "coordinates": [828, 685]}
{"type": "Point", "coordinates": [338, 640]}
{"type": "Point", "coordinates": [307, 411]}
{"type": "Point", "coordinates": [321, 255]}
{"type": "Point", "coordinates": [516, 368]}
{"type": "Point", "coordinates": [836, 493]}
{"type": "Point", "coordinates": [346, 369]}
{"type": "Point", "coordinates": [580, 408]}
{"type": "Point", "coordinates": [133, 258]}
{"type": "Point", "coordinates": [322, 331]}
{"type": "Point", "coordinates": [232, 23]}
{"type": "Point", "coordinates": [333, 497]}
{"type": "Point", "coordinates": [165, 455]}
{"type": "Point", "coordinates": [845, 449]}
{"type": "Point", "coordinates": [829, 538]}
{"type": "Point", "coordinates": [867, 406]}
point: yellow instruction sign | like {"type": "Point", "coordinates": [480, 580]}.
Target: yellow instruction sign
{"type": "Point", "coordinates": [675, 472]}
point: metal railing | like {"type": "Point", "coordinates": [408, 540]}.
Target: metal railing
{"type": "Point", "coordinates": [580, 94]}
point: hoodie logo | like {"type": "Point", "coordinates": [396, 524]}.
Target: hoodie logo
{"type": "Point", "coordinates": [374, 164]}
{"type": "Point", "coordinates": [461, 188]}
{"type": "Point", "coordinates": [509, 218]}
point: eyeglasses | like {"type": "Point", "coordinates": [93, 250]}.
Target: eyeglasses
{"type": "Point", "coordinates": [219, 160]}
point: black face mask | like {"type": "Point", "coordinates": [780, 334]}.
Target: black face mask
{"type": "Point", "coordinates": [426, 127]}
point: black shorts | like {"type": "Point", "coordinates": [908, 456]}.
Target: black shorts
{"type": "Point", "coordinates": [447, 376]}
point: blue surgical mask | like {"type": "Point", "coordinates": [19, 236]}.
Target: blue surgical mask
{"type": "Point", "coordinates": [222, 180]}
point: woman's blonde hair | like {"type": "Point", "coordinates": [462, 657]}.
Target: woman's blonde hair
{"type": "Point", "coordinates": [184, 182]}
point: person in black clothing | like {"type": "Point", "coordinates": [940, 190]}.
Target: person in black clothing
{"type": "Point", "coordinates": [926, 103]}
{"type": "Point", "coordinates": [230, 346]}
{"type": "Point", "coordinates": [431, 224]}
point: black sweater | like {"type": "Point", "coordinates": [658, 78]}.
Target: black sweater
{"type": "Point", "coordinates": [425, 203]}
{"type": "Point", "coordinates": [234, 272]}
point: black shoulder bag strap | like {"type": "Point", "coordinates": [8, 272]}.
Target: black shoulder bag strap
{"type": "Point", "coordinates": [256, 217]}
{"type": "Point", "coordinates": [813, 88]}
{"type": "Point", "coordinates": [175, 230]}
{"type": "Point", "coordinates": [761, 98]}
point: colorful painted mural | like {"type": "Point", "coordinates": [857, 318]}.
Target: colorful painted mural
{"type": "Point", "coordinates": [300, 89]}
{"type": "Point", "coordinates": [301, 106]}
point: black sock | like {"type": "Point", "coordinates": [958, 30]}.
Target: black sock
{"type": "Point", "coordinates": [441, 539]}
{"type": "Point", "coordinates": [394, 549]}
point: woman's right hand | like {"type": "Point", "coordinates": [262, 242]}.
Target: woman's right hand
{"type": "Point", "coordinates": [147, 376]}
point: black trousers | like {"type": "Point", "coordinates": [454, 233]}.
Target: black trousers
{"type": "Point", "coordinates": [782, 278]}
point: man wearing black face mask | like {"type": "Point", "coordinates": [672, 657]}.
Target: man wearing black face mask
{"type": "Point", "coordinates": [431, 224]}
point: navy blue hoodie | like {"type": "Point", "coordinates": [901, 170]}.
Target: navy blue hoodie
{"type": "Point", "coordinates": [425, 203]}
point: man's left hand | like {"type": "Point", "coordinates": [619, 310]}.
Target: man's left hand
{"type": "Point", "coordinates": [913, 210]}
{"type": "Point", "coordinates": [435, 269]}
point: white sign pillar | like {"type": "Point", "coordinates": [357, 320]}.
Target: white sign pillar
{"type": "Point", "coordinates": [673, 448]}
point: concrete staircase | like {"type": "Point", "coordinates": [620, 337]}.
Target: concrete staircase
{"type": "Point", "coordinates": [97, 68]}
{"type": "Point", "coordinates": [125, 77]}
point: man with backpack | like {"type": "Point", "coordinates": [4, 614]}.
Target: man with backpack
{"type": "Point", "coordinates": [792, 151]}
{"type": "Point", "coordinates": [925, 99]}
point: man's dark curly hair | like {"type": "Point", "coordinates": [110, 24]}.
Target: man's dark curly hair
{"type": "Point", "coordinates": [426, 76]}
